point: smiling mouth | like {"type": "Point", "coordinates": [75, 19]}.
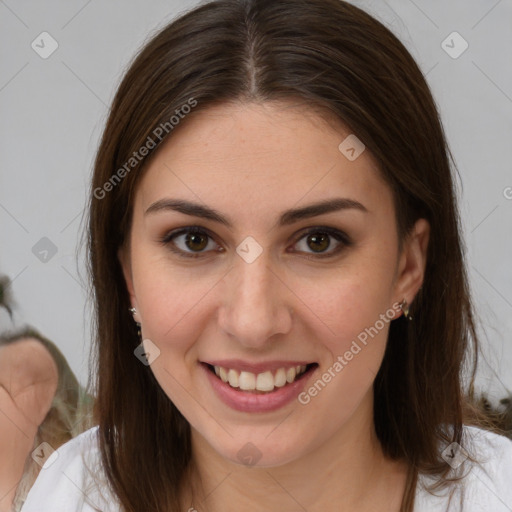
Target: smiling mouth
{"type": "Point", "coordinates": [261, 383]}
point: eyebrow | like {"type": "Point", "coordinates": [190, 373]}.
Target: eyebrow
{"type": "Point", "coordinates": [286, 218]}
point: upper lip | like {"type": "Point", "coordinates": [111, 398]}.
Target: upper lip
{"type": "Point", "coordinates": [245, 366]}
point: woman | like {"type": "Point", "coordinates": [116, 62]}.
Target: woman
{"type": "Point", "coordinates": [28, 382]}
{"type": "Point", "coordinates": [283, 313]}
{"type": "Point", "coordinates": [43, 407]}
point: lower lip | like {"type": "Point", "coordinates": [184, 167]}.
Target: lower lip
{"type": "Point", "coordinates": [246, 401]}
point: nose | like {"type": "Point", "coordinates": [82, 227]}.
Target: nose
{"type": "Point", "coordinates": [256, 303]}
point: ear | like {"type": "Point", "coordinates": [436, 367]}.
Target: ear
{"type": "Point", "coordinates": [123, 256]}
{"type": "Point", "coordinates": [412, 262]}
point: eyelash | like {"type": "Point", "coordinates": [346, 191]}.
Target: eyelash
{"type": "Point", "coordinates": [340, 236]}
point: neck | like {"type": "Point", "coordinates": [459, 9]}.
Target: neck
{"type": "Point", "coordinates": [346, 472]}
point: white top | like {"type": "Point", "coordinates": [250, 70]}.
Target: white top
{"type": "Point", "coordinates": [66, 485]}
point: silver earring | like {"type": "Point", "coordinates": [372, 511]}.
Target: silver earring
{"type": "Point", "coordinates": [405, 309]}
{"type": "Point", "coordinates": [133, 311]}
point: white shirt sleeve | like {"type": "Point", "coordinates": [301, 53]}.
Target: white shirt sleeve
{"type": "Point", "coordinates": [68, 484]}
{"type": "Point", "coordinates": [487, 484]}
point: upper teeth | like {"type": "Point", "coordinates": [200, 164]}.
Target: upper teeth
{"type": "Point", "coordinates": [265, 381]}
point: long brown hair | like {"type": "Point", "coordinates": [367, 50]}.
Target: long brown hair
{"type": "Point", "coordinates": [335, 57]}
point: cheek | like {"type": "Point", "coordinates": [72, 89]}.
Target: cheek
{"type": "Point", "coordinates": [171, 311]}
{"type": "Point", "coordinates": [347, 304]}
{"type": "Point", "coordinates": [171, 306]}
{"type": "Point", "coordinates": [352, 357]}
{"type": "Point", "coordinates": [356, 315]}
{"type": "Point", "coordinates": [167, 294]}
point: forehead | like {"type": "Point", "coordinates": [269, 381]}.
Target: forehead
{"type": "Point", "coordinates": [257, 158]}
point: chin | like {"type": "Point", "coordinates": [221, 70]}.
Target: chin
{"type": "Point", "coordinates": [261, 451]}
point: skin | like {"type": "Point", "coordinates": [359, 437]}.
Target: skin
{"type": "Point", "coordinates": [28, 382]}
{"type": "Point", "coordinates": [251, 162]}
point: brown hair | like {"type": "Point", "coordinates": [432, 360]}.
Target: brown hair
{"type": "Point", "coordinates": [335, 57]}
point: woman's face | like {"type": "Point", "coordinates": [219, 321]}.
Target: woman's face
{"type": "Point", "coordinates": [29, 374]}
{"type": "Point", "coordinates": [275, 285]}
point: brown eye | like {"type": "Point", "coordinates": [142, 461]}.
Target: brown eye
{"type": "Point", "coordinates": [196, 241]}
{"type": "Point", "coordinates": [191, 242]}
{"type": "Point", "coordinates": [319, 242]}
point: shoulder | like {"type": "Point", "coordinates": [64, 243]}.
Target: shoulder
{"type": "Point", "coordinates": [491, 474]}
{"type": "Point", "coordinates": [71, 479]}
{"type": "Point", "coordinates": [483, 460]}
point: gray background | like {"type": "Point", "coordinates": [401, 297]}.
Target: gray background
{"type": "Point", "coordinates": [53, 111]}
